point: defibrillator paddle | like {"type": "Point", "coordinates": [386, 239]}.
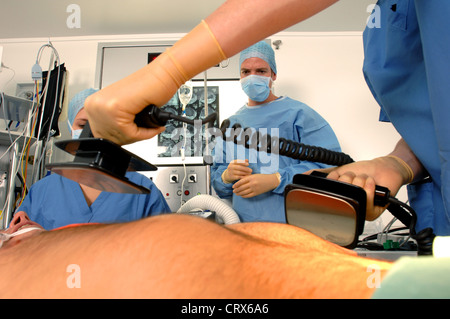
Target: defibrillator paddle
{"type": "Point", "coordinates": [102, 164]}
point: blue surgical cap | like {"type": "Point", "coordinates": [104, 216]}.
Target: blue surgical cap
{"type": "Point", "coordinates": [261, 50]}
{"type": "Point", "coordinates": [76, 104]}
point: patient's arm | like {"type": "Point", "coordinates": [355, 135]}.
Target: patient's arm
{"type": "Point", "coordinates": [178, 256]}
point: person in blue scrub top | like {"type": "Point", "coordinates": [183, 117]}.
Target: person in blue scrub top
{"type": "Point", "coordinates": [55, 201]}
{"type": "Point", "coordinates": [407, 66]}
{"type": "Point", "coordinates": [253, 180]}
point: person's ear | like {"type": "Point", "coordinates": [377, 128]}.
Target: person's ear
{"type": "Point", "coordinates": [274, 76]}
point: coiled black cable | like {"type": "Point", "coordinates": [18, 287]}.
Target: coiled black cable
{"type": "Point", "coordinates": [424, 240]}
{"type": "Point", "coordinates": [408, 217]}
{"type": "Point", "coordinates": [152, 116]}
{"type": "Point", "coordinates": [251, 138]}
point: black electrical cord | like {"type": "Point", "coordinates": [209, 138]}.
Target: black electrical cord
{"type": "Point", "coordinates": [408, 217]}
{"type": "Point", "coordinates": [153, 117]}
{"type": "Point", "coordinates": [251, 138]}
{"type": "Point", "coordinates": [424, 240]}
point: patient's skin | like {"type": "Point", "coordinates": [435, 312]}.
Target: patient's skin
{"type": "Point", "coordinates": [180, 256]}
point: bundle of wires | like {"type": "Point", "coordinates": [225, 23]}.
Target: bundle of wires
{"type": "Point", "coordinates": [24, 158]}
{"type": "Point", "coordinates": [40, 130]}
{"type": "Point", "coordinates": [34, 124]}
{"type": "Point", "coordinates": [23, 155]}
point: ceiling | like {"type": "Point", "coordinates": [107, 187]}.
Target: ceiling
{"type": "Point", "coordinates": [48, 18]}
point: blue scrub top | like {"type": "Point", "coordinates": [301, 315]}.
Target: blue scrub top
{"type": "Point", "coordinates": [55, 201]}
{"type": "Point", "coordinates": [285, 118]}
{"type": "Point", "coordinates": [407, 68]}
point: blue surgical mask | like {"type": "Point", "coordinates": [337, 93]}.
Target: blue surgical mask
{"type": "Point", "coordinates": [76, 134]}
{"type": "Point", "coordinates": [256, 87]}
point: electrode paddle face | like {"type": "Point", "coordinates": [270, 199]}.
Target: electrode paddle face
{"type": "Point", "coordinates": [326, 216]}
{"type": "Point", "coordinates": [332, 210]}
{"type": "Point", "coordinates": [96, 177]}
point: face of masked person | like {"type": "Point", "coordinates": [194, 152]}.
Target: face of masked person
{"type": "Point", "coordinates": [79, 123]}
{"type": "Point", "coordinates": [76, 115]}
{"type": "Point", "coordinates": [256, 79]}
{"type": "Point", "coordinates": [257, 87]}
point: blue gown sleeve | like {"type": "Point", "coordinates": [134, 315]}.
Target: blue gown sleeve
{"type": "Point", "coordinates": [223, 190]}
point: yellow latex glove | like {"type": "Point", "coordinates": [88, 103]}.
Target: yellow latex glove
{"type": "Point", "coordinates": [236, 170]}
{"type": "Point", "coordinates": [387, 171]}
{"type": "Point", "coordinates": [112, 110]}
{"type": "Point", "coordinates": [255, 184]}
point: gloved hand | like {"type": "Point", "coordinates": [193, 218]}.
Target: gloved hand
{"type": "Point", "coordinates": [255, 184]}
{"type": "Point", "coordinates": [387, 171]}
{"type": "Point", "coordinates": [236, 170]}
{"type": "Point", "coordinates": [112, 110]}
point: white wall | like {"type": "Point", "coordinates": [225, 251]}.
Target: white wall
{"type": "Point", "coordinates": [323, 70]}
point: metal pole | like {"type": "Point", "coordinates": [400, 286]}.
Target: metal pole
{"type": "Point", "coordinates": [208, 167]}
{"type": "Point", "coordinates": [11, 185]}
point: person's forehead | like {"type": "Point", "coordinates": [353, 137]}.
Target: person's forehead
{"type": "Point", "coordinates": [82, 115]}
{"type": "Point", "coordinates": [254, 63]}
